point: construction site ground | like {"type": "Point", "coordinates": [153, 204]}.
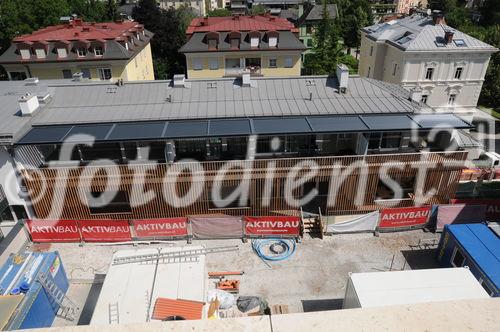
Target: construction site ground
{"type": "Point", "coordinates": [313, 279]}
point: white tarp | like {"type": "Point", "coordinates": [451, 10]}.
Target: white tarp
{"type": "Point", "coordinates": [362, 223]}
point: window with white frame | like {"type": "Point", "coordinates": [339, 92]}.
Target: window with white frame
{"type": "Point", "coordinates": [213, 64]}
{"type": "Point", "coordinates": [451, 99]}
{"type": "Point", "coordinates": [424, 99]}
{"type": "Point", "coordinates": [197, 64]}
{"type": "Point", "coordinates": [105, 73]}
{"type": "Point", "coordinates": [429, 73]}
{"type": "Point", "coordinates": [98, 51]}
{"type": "Point", "coordinates": [272, 63]}
{"type": "Point", "coordinates": [458, 72]}
{"type": "Point", "coordinates": [288, 62]}
{"type": "Point", "coordinates": [369, 71]}
{"type": "Point", "coordinates": [273, 41]}
{"type": "Point", "coordinates": [254, 42]}
{"type": "Point", "coordinates": [62, 52]}
{"type": "Point", "coordinates": [40, 53]}
{"type": "Point", "coordinates": [394, 69]}
{"type": "Point", "coordinates": [81, 51]}
{"type": "Point", "coordinates": [371, 50]}
{"type": "Point", "coordinates": [25, 53]}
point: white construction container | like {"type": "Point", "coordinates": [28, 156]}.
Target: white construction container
{"type": "Point", "coordinates": [378, 289]}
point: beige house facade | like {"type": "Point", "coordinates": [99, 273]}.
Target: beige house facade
{"type": "Point", "coordinates": [444, 67]}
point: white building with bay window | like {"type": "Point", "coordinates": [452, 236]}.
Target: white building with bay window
{"type": "Point", "coordinates": [444, 67]}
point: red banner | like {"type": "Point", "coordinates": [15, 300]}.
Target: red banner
{"type": "Point", "coordinates": [167, 227]}
{"type": "Point", "coordinates": [273, 225]}
{"type": "Point", "coordinates": [53, 230]}
{"type": "Point", "coordinates": [492, 206]}
{"type": "Point", "coordinates": [404, 217]}
{"type": "Point", "coordinates": [108, 230]}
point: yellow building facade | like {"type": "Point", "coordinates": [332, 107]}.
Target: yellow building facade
{"type": "Point", "coordinates": [218, 65]}
{"type": "Point", "coordinates": [97, 51]}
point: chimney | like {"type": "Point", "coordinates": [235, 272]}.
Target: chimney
{"type": "Point", "coordinates": [437, 17]}
{"type": "Point", "coordinates": [245, 80]}
{"type": "Point", "coordinates": [179, 81]}
{"type": "Point", "coordinates": [343, 77]}
{"type": "Point", "coordinates": [448, 36]}
{"type": "Point", "coordinates": [28, 104]}
{"type": "Point", "coordinates": [416, 95]}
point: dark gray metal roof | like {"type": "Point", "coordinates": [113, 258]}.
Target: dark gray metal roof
{"type": "Point", "coordinates": [152, 130]}
{"type": "Point", "coordinates": [316, 12]}
{"type": "Point", "coordinates": [286, 41]}
{"type": "Point", "coordinates": [419, 33]}
{"type": "Point", "coordinates": [223, 98]}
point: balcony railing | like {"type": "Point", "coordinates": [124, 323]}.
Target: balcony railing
{"type": "Point", "coordinates": [252, 70]}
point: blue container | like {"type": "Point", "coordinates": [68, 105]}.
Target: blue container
{"type": "Point", "coordinates": [37, 309]}
{"type": "Point", "coordinates": [475, 246]}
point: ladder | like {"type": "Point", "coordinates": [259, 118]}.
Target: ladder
{"type": "Point", "coordinates": [67, 309]}
{"type": "Point", "coordinates": [114, 313]}
{"type": "Point", "coordinates": [172, 257]}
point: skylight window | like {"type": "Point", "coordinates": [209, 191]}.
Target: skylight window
{"type": "Point", "coordinates": [460, 42]}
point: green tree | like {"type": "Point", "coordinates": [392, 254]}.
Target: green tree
{"type": "Point", "coordinates": [89, 10]}
{"type": "Point", "coordinates": [112, 10]}
{"type": "Point", "coordinates": [327, 49]}
{"type": "Point", "coordinates": [490, 92]}
{"type": "Point", "coordinates": [355, 15]}
{"type": "Point", "coordinates": [258, 10]}
{"type": "Point", "coordinates": [169, 27]}
{"type": "Point", "coordinates": [219, 12]}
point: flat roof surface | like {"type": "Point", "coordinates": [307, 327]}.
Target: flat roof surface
{"type": "Point", "coordinates": [130, 290]}
{"type": "Point", "coordinates": [483, 245]}
{"type": "Point", "coordinates": [375, 289]}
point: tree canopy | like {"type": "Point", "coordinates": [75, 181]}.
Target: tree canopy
{"type": "Point", "coordinates": [169, 27]}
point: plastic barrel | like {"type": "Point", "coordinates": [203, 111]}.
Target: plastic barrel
{"type": "Point", "coordinates": [15, 291]}
{"type": "Point", "coordinates": [24, 287]}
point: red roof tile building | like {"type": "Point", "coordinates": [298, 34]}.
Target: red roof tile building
{"type": "Point", "coordinates": [78, 49]}
{"type": "Point", "coordinates": [261, 45]}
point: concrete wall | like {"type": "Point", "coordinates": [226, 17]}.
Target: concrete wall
{"type": "Point", "coordinates": [279, 71]}
{"type": "Point", "coordinates": [479, 315]}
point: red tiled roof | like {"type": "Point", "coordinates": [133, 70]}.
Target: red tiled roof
{"type": "Point", "coordinates": [240, 23]}
{"type": "Point", "coordinates": [188, 310]}
{"type": "Point", "coordinates": [79, 30]}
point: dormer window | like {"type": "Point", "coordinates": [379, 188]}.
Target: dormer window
{"type": "Point", "coordinates": [62, 52]}
{"type": "Point", "coordinates": [273, 41]}
{"type": "Point", "coordinates": [272, 38]}
{"type": "Point", "coordinates": [40, 53]}
{"type": "Point", "coordinates": [212, 40]}
{"type": "Point", "coordinates": [81, 51]}
{"type": "Point", "coordinates": [98, 51]}
{"type": "Point", "coordinates": [234, 39]}
{"type": "Point", "coordinates": [254, 42]}
{"type": "Point", "coordinates": [25, 53]}
{"type": "Point", "coordinates": [254, 39]}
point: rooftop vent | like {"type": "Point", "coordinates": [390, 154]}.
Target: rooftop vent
{"type": "Point", "coordinates": [77, 76]}
{"type": "Point", "coordinates": [32, 81]}
{"type": "Point", "coordinates": [246, 80]}
{"type": "Point", "coordinates": [28, 104]}
{"type": "Point", "coordinates": [437, 17]}
{"type": "Point", "coordinates": [448, 36]}
{"type": "Point", "coordinates": [179, 81]}
{"type": "Point", "coordinates": [343, 77]}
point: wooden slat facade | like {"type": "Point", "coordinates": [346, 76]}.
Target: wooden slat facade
{"type": "Point", "coordinates": [56, 191]}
